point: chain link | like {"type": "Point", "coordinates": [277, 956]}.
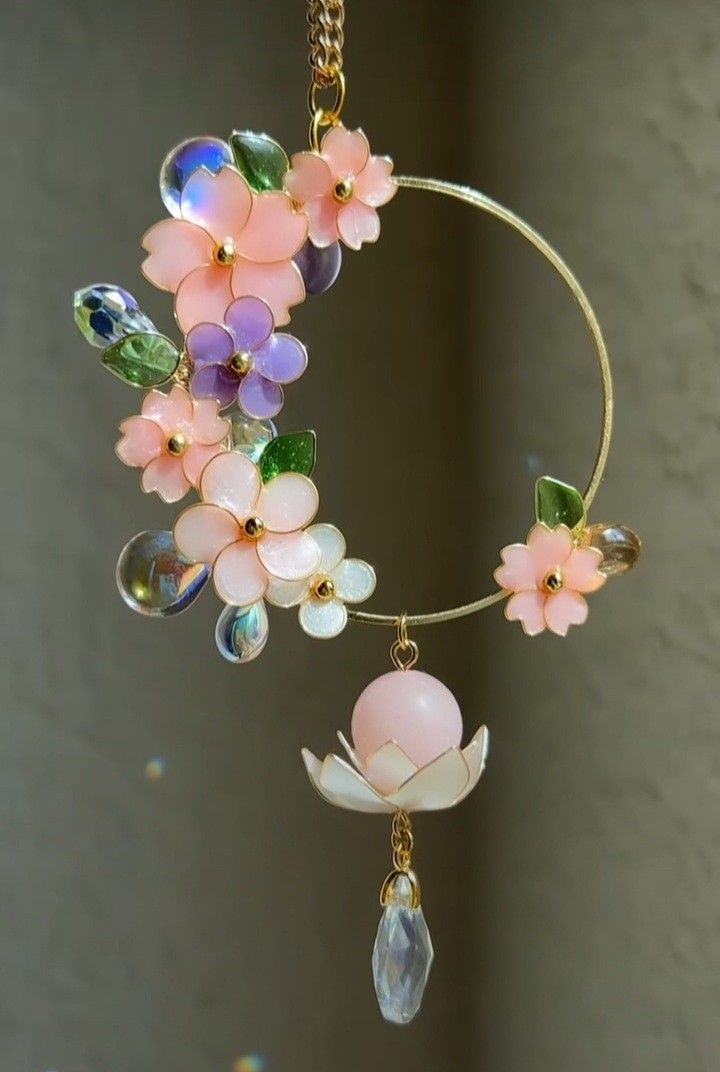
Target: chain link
{"type": "Point", "coordinates": [326, 39]}
{"type": "Point", "coordinates": [402, 841]}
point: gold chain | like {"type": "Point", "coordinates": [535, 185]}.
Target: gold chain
{"type": "Point", "coordinates": [326, 38]}
{"type": "Point", "coordinates": [401, 840]}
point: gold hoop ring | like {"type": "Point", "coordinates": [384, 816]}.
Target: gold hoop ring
{"type": "Point", "coordinates": [472, 197]}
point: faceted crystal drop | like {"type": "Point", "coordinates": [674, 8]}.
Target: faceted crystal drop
{"type": "Point", "coordinates": [250, 437]}
{"type": "Point", "coordinates": [155, 579]}
{"type": "Point", "coordinates": [402, 957]}
{"type": "Point", "coordinates": [319, 267]}
{"type": "Point", "coordinates": [106, 313]}
{"type": "Point", "coordinates": [185, 159]}
{"type": "Point", "coordinates": [620, 547]}
{"type": "Point", "coordinates": [241, 632]}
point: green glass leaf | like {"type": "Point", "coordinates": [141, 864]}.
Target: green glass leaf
{"type": "Point", "coordinates": [292, 453]}
{"type": "Point", "coordinates": [558, 504]}
{"type": "Point", "coordinates": [260, 159]}
{"type": "Point", "coordinates": [144, 359]}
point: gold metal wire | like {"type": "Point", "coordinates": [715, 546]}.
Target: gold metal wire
{"type": "Point", "coordinates": [473, 197]}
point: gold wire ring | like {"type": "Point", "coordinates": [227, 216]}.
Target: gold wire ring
{"type": "Point", "coordinates": [473, 197]}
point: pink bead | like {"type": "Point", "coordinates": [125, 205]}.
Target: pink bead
{"type": "Point", "coordinates": [411, 708]}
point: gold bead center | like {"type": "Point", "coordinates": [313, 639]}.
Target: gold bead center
{"type": "Point", "coordinates": [553, 581]}
{"type": "Point", "coordinates": [241, 363]}
{"type": "Point", "coordinates": [177, 444]}
{"type": "Point", "coordinates": [254, 527]}
{"type": "Point", "coordinates": [224, 253]}
{"type": "Point", "coordinates": [324, 589]}
{"type": "Point", "coordinates": [343, 190]}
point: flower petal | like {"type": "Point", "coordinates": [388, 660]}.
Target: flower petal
{"type": "Point", "coordinates": [373, 185]}
{"type": "Point", "coordinates": [288, 502]}
{"type": "Point", "coordinates": [475, 754]}
{"type": "Point", "coordinates": [332, 546]}
{"type": "Point", "coordinates": [279, 284]}
{"type": "Point", "coordinates": [215, 381]}
{"type": "Point", "coordinates": [388, 768]}
{"type": "Point", "coordinates": [563, 609]}
{"type": "Point", "coordinates": [250, 321]}
{"type": "Point", "coordinates": [528, 608]}
{"type": "Point", "coordinates": [274, 230]}
{"type": "Point", "coordinates": [209, 344]}
{"type": "Point", "coordinates": [259, 397]}
{"type": "Point", "coordinates": [203, 296]}
{"type": "Point", "coordinates": [435, 786]}
{"type": "Point", "coordinates": [581, 570]}
{"type": "Point", "coordinates": [549, 548]}
{"type": "Point", "coordinates": [207, 425]}
{"type": "Point", "coordinates": [358, 223]}
{"type": "Point", "coordinates": [517, 572]}
{"type": "Point", "coordinates": [322, 214]}
{"type": "Point", "coordinates": [291, 556]}
{"type": "Point", "coordinates": [309, 176]}
{"type": "Point", "coordinates": [347, 151]}
{"type": "Point", "coordinates": [282, 359]}
{"type": "Point", "coordinates": [196, 458]}
{"type": "Point", "coordinates": [285, 593]}
{"type": "Point", "coordinates": [202, 531]}
{"type": "Point", "coordinates": [172, 411]}
{"type": "Point", "coordinates": [338, 783]}
{"type": "Point", "coordinates": [322, 619]}
{"type": "Point", "coordinates": [232, 481]}
{"type": "Point", "coordinates": [142, 441]}
{"type": "Point", "coordinates": [220, 203]}
{"type": "Point", "coordinates": [354, 580]}
{"type": "Point", "coordinates": [165, 476]}
{"type": "Point", "coordinates": [238, 575]}
{"type": "Point", "coordinates": [175, 249]}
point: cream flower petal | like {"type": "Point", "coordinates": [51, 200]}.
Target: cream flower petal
{"type": "Point", "coordinates": [349, 749]}
{"type": "Point", "coordinates": [337, 782]}
{"type": "Point", "coordinates": [563, 609]}
{"type": "Point", "coordinates": [285, 593]}
{"type": "Point", "coordinates": [347, 151]}
{"type": "Point", "coordinates": [528, 608]}
{"type": "Point", "coordinates": [354, 580]}
{"type": "Point", "coordinates": [171, 411]}
{"type": "Point", "coordinates": [475, 754]}
{"type": "Point", "coordinates": [279, 284]}
{"type": "Point", "coordinates": [274, 231]}
{"type": "Point", "coordinates": [203, 530]}
{"type": "Point", "coordinates": [165, 476]}
{"type": "Point", "coordinates": [581, 570]}
{"type": "Point", "coordinates": [291, 556]}
{"type": "Point", "coordinates": [203, 296]}
{"type": "Point", "coordinates": [322, 619]}
{"type": "Point", "coordinates": [374, 185]}
{"type": "Point", "coordinates": [388, 768]}
{"type": "Point", "coordinates": [288, 502]}
{"type": "Point", "coordinates": [238, 575]}
{"type": "Point", "coordinates": [308, 177]}
{"type": "Point", "coordinates": [142, 441]}
{"type": "Point", "coordinates": [232, 481]}
{"type": "Point", "coordinates": [435, 786]}
{"type": "Point", "coordinates": [220, 203]}
{"type": "Point", "coordinates": [549, 548]}
{"type": "Point", "coordinates": [331, 542]}
{"type": "Point", "coordinates": [175, 248]}
{"type": "Point", "coordinates": [358, 223]}
{"type": "Point", "coordinates": [196, 458]}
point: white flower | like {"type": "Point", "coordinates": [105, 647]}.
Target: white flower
{"type": "Point", "coordinates": [442, 783]}
{"type": "Point", "coordinates": [323, 596]}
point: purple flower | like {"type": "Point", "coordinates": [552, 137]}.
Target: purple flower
{"type": "Point", "coordinates": [245, 359]}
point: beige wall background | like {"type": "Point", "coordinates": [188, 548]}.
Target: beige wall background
{"type": "Point", "coordinates": [224, 910]}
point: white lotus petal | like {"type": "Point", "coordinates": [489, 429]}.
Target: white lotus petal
{"type": "Point", "coordinates": [388, 768]}
{"type": "Point", "coordinates": [354, 580]}
{"type": "Point", "coordinates": [285, 593]}
{"type": "Point", "coordinates": [332, 546]}
{"type": "Point", "coordinates": [322, 619]}
{"type": "Point", "coordinates": [475, 754]}
{"type": "Point", "coordinates": [349, 749]}
{"type": "Point", "coordinates": [338, 783]}
{"type": "Point", "coordinates": [435, 786]}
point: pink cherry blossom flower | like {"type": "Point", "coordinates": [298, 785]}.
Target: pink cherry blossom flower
{"type": "Point", "coordinates": [172, 441]}
{"type": "Point", "coordinates": [229, 242]}
{"type": "Point", "coordinates": [341, 187]}
{"type": "Point", "coordinates": [247, 531]}
{"type": "Point", "coordinates": [548, 577]}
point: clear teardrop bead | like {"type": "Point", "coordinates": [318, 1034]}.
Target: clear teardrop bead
{"type": "Point", "coordinates": [402, 956]}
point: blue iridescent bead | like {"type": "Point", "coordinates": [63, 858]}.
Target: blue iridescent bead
{"type": "Point", "coordinates": [106, 313]}
{"type": "Point", "coordinates": [184, 160]}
